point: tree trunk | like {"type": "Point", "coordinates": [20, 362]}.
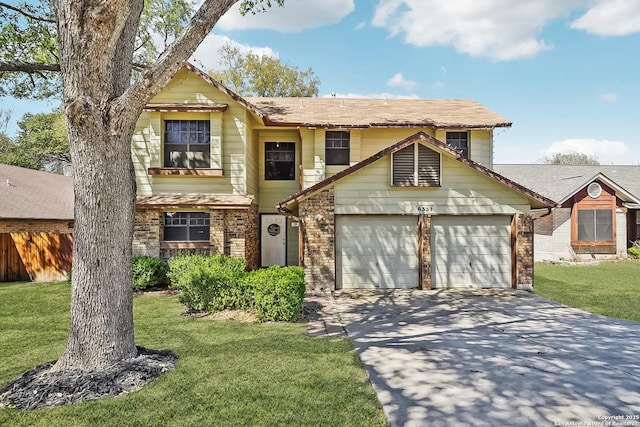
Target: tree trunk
{"type": "Point", "coordinates": [96, 40]}
{"type": "Point", "coordinates": [96, 45]}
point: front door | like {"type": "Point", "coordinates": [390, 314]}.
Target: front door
{"type": "Point", "coordinates": [274, 240]}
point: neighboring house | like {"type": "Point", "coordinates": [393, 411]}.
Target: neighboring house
{"type": "Point", "coordinates": [36, 225]}
{"type": "Point", "coordinates": [362, 192]}
{"type": "Point", "coordinates": [597, 214]}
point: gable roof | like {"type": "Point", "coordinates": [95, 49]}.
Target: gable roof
{"type": "Point", "coordinates": [364, 113]}
{"type": "Point", "coordinates": [537, 199]}
{"type": "Point", "coordinates": [31, 194]}
{"type": "Point", "coordinates": [353, 112]}
{"type": "Point", "coordinates": [560, 182]}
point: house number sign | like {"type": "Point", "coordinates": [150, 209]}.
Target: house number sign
{"type": "Point", "coordinates": [273, 229]}
{"type": "Point", "coordinates": [425, 209]}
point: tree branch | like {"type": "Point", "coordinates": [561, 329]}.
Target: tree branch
{"type": "Point", "coordinates": [28, 15]}
{"type": "Point", "coordinates": [155, 77]}
{"type": "Point", "coordinates": [27, 67]}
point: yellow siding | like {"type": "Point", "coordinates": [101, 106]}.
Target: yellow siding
{"type": "Point", "coordinates": [463, 191]}
{"type": "Point", "coordinates": [480, 145]}
{"type": "Point", "coordinates": [228, 146]}
{"type": "Point", "coordinates": [375, 140]}
{"type": "Point", "coordinates": [272, 192]}
{"type": "Point", "coordinates": [252, 161]}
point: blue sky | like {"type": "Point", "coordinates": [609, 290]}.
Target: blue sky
{"type": "Point", "coordinates": [566, 73]}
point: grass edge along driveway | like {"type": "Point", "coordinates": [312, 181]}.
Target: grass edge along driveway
{"type": "Point", "coordinates": [228, 373]}
{"type": "Point", "coordinates": [610, 288]}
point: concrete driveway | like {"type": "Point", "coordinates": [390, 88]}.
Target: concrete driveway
{"type": "Point", "coordinates": [493, 358]}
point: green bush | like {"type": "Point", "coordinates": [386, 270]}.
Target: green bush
{"type": "Point", "coordinates": [634, 252]}
{"type": "Point", "coordinates": [278, 292]}
{"type": "Point", "coordinates": [147, 272]}
{"type": "Point", "coordinates": [208, 283]}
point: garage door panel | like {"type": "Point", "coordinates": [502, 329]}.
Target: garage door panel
{"type": "Point", "coordinates": [471, 252]}
{"type": "Point", "coordinates": [377, 252]}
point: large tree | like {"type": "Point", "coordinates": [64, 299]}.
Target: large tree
{"type": "Point", "coordinates": [571, 158]}
{"type": "Point", "coordinates": [41, 143]}
{"type": "Point", "coordinates": [261, 75]}
{"type": "Point", "coordinates": [96, 44]}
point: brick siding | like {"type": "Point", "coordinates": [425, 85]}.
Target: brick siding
{"type": "Point", "coordinates": [36, 226]}
{"type": "Point", "coordinates": [318, 228]}
{"type": "Point", "coordinates": [232, 232]}
{"type": "Point", "coordinates": [524, 250]}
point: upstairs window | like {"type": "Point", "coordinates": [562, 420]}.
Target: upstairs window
{"type": "Point", "coordinates": [459, 141]}
{"type": "Point", "coordinates": [187, 144]}
{"type": "Point", "coordinates": [416, 166]}
{"type": "Point", "coordinates": [595, 225]}
{"type": "Point", "coordinates": [280, 161]}
{"type": "Point", "coordinates": [186, 226]}
{"type": "Point", "coordinates": [336, 147]}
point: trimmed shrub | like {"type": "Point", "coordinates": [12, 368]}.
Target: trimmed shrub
{"type": "Point", "coordinates": [278, 292]}
{"type": "Point", "coordinates": [634, 252]}
{"type": "Point", "coordinates": [147, 272]}
{"type": "Point", "coordinates": [208, 283]}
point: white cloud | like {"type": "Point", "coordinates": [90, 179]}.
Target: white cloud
{"type": "Point", "coordinates": [607, 152]}
{"type": "Point", "coordinates": [297, 15]}
{"type": "Point", "coordinates": [361, 25]}
{"type": "Point", "coordinates": [206, 56]}
{"type": "Point", "coordinates": [399, 80]}
{"type": "Point", "coordinates": [498, 29]}
{"type": "Point", "coordinates": [609, 96]}
{"type": "Point", "coordinates": [610, 18]}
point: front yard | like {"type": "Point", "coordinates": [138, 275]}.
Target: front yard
{"type": "Point", "coordinates": [228, 373]}
{"type": "Point", "coordinates": [609, 288]}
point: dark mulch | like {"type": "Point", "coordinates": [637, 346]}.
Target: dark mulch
{"type": "Point", "coordinates": [40, 388]}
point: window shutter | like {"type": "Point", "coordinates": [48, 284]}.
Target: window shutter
{"type": "Point", "coordinates": [428, 167]}
{"type": "Point", "coordinates": [403, 167]}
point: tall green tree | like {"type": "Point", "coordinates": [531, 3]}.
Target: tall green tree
{"type": "Point", "coordinates": [260, 75]}
{"type": "Point", "coordinates": [96, 44]}
{"type": "Point", "coordinates": [571, 158]}
{"type": "Point", "coordinates": [41, 143]}
{"type": "Point", "coordinates": [29, 43]}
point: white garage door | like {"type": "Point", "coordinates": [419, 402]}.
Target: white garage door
{"type": "Point", "coordinates": [377, 252]}
{"type": "Point", "coordinates": [471, 252]}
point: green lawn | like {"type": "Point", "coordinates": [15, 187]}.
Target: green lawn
{"type": "Point", "coordinates": [228, 373]}
{"type": "Point", "coordinates": [610, 288]}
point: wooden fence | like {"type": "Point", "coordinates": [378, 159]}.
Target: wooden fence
{"type": "Point", "coordinates": [35, 256]}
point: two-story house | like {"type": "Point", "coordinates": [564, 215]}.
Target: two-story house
{"type": "Point", "coordinates": [363, 193]}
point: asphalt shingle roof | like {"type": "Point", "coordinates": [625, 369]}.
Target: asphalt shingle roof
{"type": "Point", "coordinates": [368, 112]}
{"type": "Point", "coordinates": [558, 181]}
{"type": "Point", "coordinates": [31, 194]}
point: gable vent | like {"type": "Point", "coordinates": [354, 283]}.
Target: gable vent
{"type": "Point", "coordinates": [416, 166]}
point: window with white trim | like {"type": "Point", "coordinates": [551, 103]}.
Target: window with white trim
{"type": "Point", "coordinates": [336, 147]}
{"type": "Point", "coordinates": [415, 166]}
{"type": "Point", "coordinates": [186, 226]}
{"type": "Point", "coordinates": [459, 141]}
{"type": "Point", "coordinates": [187, 144]}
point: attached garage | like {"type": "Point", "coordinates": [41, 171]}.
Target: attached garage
{"type": "Point", "coordinates": [375, 251]}
{"type": "Point", "coordinates": [471, 251]}
{"type": "Point", "coordinates": [416, 215]}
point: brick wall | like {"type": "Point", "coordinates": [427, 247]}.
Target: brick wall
{"type": "Point", "coordinates": [524, 250]}
{"type": "Point", "coordinates": [36, 226]}
{"type": "Point", "coordinates": [232, 232]}
{"type": "Point", "coordinates": [146, 233]}
{"type": "Point", "coordinates": [318, 230]}
{"type": "Point", "coordinates": [425, 267]}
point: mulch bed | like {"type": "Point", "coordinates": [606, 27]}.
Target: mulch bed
{"type": "Point", "coordinates": [40, 388]}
